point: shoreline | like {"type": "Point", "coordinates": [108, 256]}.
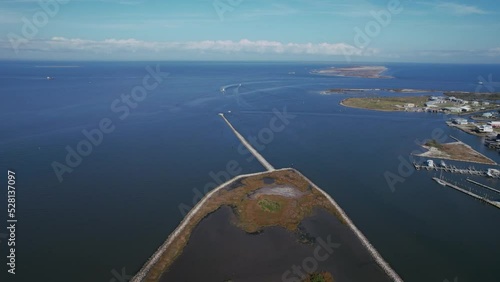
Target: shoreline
{"type": "Point", "coordinates": [433, 152]}
{"type": "Point", "coordinates": [414, 103]}
{"type": "Point", "coordinates": [150, 263]}
{"type": "Point", "coordinates": [469, 130]}
{"type": "Point", "coordinates": [375, 254]}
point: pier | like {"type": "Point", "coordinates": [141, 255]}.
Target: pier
{"type": "Point", "coordinates": [454, 169]}
{"type": "Point", "coordinates": [482, 185]}
{"type": "Point", "coordinates": [259, 157]}
{"type": "Point", "coordinates": [475, 196]}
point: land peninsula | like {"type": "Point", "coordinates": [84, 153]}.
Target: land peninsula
{"type": "Point", "coordinates": [233, 235]}
{"type": "Point", "coordinates": [420, 103]}
{"type": "Point", "coordinates": [390, 104]}
{"type": "Point", "coordinates": [275, 225]}
{"type": "Point", "coordinates": [456, 151]}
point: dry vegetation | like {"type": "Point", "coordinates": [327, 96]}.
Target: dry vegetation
{"type": "Point", "coordinates": [320, 277]}
{"type": "Point", "coordinates": [252, 213]}
{"type": "Point", "coordinates": [457, 151]}
{"type": "Point", "coordinates": [385, 103]}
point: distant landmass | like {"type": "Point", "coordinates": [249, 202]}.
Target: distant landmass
{"type": "Point", "coordinates": [358, 71]}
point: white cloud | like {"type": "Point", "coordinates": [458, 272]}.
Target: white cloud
{"type": "Point", "coordinates": [57, 44]}
{"type": "Point", "coordinates": [494, 52]}
{"type": "Point", "coordinates": [457, 9]}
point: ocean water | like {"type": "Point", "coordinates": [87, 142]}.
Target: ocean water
{"type": "Point", "coordinates": [120, 202]}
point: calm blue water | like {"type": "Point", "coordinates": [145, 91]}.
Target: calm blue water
{"type": "Point", "coordinates": [116, 207]}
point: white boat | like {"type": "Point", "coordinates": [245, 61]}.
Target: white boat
{"type": "Point", "coordinates": [495, 173]}
{"type": "Point", "coordinates": [439, 181]}
{"type": "Point", "coordinates": [49, 78]}
{"type": "Point", "coordinates": [430, 163]}
{"type": "Point", "coordinates": [442, 163]}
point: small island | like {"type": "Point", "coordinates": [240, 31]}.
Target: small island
{"type": "Point", "coordinates": [356, 71]}
{"type": "Point", "coordinates": [456, 151]}
{"type": "Point", "coordinates": [372, 90]}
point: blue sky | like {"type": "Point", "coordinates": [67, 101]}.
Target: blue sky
{"type": "Point", "coordinates": [334, 30]}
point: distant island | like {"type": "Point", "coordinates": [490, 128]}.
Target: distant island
{"type": "Point", "coordinates": [372, 90]}
{"type": "Point", "coordinates": [358, 71]}
{"type": "Point", "coordinates": [463, 95]}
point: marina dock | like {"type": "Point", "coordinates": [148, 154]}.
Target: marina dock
{"type": "Point", "coordinates": [482, 185]}
{"type": "Point", "coordinates": [475, 196]}
{"type": "Point", "coordinates": [454, 169]}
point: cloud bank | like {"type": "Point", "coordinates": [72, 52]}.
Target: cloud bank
{"type": "Point", "coordinates": [62, 44]}
{"type": "Point", "coordinates": [459, 9]}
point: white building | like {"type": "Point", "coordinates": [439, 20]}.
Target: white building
{"type": "Point", "coordinates": [494, 124]}
{"type": "Point", "coordinates": [485, 128]}
{"type": "Point", "coordinates": [453, 109]}
{"type": "Point", "coordinates": [460, 121]}
{"type": "Point", "coordinates": [440, 99]}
